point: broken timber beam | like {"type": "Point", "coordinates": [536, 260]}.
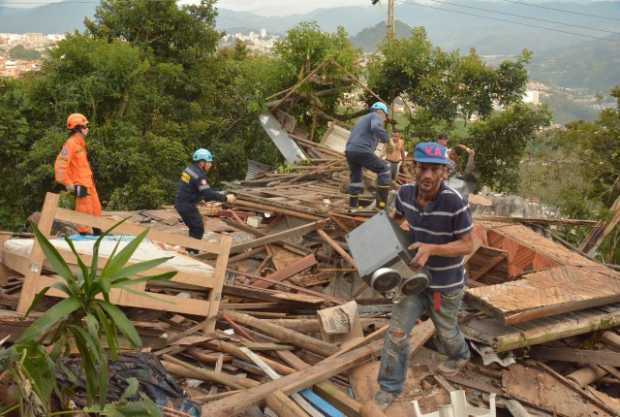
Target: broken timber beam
{"type": "Point", "coordinates": [235, 404]}
{"type": "Point", "coordinates": [331, 242]}
{"type": "Point", "coordinates": [275, 237]}
{"type": "Point", "coordinates": [290, 336]}
{"type": "Point", "coordinates": [292, 269]}
{"type": "Point", "coordinates": [584, 356]}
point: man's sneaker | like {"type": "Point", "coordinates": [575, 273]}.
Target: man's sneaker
{"type": "Point", "coordinates": [383, 399]}
{"type": "Point", "coordinates": [452, 366]}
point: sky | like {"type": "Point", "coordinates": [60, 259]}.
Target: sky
{"type": "Point", "coordinates": [264, 7]}
{"type": "Point", "coordinates": [261, 7]}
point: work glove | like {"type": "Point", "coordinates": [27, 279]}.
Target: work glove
{"type": "Point", "coordinates": [230, 198]}
{"type": "Point", "coordinates": [80, 191]}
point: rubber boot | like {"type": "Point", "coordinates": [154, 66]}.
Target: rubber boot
{"type": "Point", "coordinates": [382, 196]}
{"type": "Point", "coordinates": [354, 201]}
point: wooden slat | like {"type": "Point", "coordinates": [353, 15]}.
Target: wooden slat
{"type": "Point", "coordinates": [583, 356]}
{"type": "Point", "coordinates": [292, 269]}
{"type": "Point", "coordinates": [149, 301]}
{"type": "Point", "coordinates": [29, 288]}
{"type": "Point", "coordinates": [215, 295]}
{"type": "Point", "coordinates": [299, 230]}
{"type": "Point", "coordinates": [554, 291]}
{"type": "Point", "coordinates": [134, 229]}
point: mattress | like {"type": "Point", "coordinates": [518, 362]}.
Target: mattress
{"type": "Point", "coordinates": [147, 250]}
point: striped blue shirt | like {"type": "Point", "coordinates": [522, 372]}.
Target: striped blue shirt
{"type": "Point", "coordinates": [442, 221]}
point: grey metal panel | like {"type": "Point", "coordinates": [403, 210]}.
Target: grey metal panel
{"type": "Point", "coordinates": [287, 146]}
{"type": "Point", "coordinates": [376, 242]}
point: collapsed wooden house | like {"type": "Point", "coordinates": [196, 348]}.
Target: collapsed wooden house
{"type": "Point", "coordinates": [260, 318]}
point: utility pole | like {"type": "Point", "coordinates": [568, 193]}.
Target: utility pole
{"type": "Point", "coordinates": [390, 26]}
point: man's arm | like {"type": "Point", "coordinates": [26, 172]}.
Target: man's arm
{"type": "Point", "coordinates": [461, 247]}
{"type": "Point", "coordinates": [378, 130]}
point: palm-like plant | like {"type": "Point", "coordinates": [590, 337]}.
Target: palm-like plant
{"type": "Point", "coordinates": [85, 317]}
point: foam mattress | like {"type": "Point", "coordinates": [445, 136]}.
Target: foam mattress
{"type": "Point", "coordinates": [147, 250]}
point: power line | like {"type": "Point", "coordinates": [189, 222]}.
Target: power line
{"type": "Point", "coordinates": [443, 9]}
{"type": "Point", "coordinates": [562, 10]}
{"type": "Point", "coordinates": [556, 22]}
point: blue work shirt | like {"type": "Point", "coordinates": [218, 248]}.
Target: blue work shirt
{"type": "Point", "coordinates": [366, 134]}
{"type": "Point", "coordinates": [442, 221]}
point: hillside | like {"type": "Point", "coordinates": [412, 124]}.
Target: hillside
{"type": "Point", "coordinates": [593, 65]}
{"type": "Point", "coordinates": [369, 38]}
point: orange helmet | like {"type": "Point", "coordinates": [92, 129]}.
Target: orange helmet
{"type": "Point", "coordinates": [76, 119]}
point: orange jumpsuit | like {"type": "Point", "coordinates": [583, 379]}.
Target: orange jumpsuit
{"type": "Point", "coordinates": [72, 168]}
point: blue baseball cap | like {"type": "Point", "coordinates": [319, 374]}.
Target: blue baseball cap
{"type": "Point", "coordinates": [431, 153]}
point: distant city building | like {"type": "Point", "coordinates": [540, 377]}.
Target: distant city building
{"type": "Point", "coordinates": [39, 42]}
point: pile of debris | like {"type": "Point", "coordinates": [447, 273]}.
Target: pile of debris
{"type": "Point", "coordinates": [272, 318]}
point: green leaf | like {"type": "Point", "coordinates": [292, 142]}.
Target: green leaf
{"type": "Point", "coordinates": [124, 282]}
{"type": "Point", "coordinates": [92, 325]}
{"type": "Point", "coordinates": [131, 390]}
{"type": "Point", "coordinates": [117, 262]}
{"type": "Point", "coordinates": [87, 361]}
{"type": "Point", "coordinates": [137, 268]}
{"type": "Point", "coordinates": [53, 257]}
{"type": "Point", "coordinates": [121, 321]}
{"type": "Point", "coordinates": [94, 266]}
{"type": "Point", "coordinates": [109, 330]}
{"type": "Point", "coordinates": [39, 369]}
{"type": "Point", "coordinates": [44, 323]}
{"type": "Point", "coordinates": [81, 264]}
{"type": "Point", "coordinates": [37, 300]}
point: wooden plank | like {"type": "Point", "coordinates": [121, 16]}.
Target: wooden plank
{"type": "Point", "coordinates": [583, 356]}
{"type": "Point", "coordinates": [148, 301]}
{"type": "Point", "coordinates": [275, 237]}
{"type": "Point", "coordinates": [29, 288]}
{"type": "Point", "coordinates": [337, 248]}
{"type": "Point", "coordinates": [504, 338]}
{"type": "Point", "coordinates": [134, 229]}
{"type": "Point", "coordinates": [286, 335]}
{"type": "Point", "coordinates": [292, 269]}
{"type": "Point", "coordinates": [236, 404]}
{"type": "Point", "coordinates": [274, 375]}
{"type": "Point", "coordinates": [215, 295]}
{"type": "Point", "coordinates": [275, 209]}
{"type": "Point", "coordinates": [554, 291]}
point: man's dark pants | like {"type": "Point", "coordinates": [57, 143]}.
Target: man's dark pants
{"type": "Point", "coordinates": [359, 160]}
{"type": "Point", "coordinates": [192, 219]}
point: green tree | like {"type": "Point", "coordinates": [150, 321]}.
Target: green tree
{"type": "Point", "coordinates": [300, 52]}
{"type": "Point", "coordinates": [444, 85]}
{"type": "Point", "coordinates": [500, 142]}
{"type": "Point", "coordinates": [183, 35]}
{"type": "Point", "coordinates": [20, 52]}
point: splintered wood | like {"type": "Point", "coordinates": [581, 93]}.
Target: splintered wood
{"type": "Point", "coordinates": [280, 324]}
{"type": "Point", "coordinates": [554, 291]}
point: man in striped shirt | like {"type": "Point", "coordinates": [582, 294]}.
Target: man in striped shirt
{"type": "Point", "coordinates": [440, 224]}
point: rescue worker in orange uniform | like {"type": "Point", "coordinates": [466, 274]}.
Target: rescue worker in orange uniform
{"type": "Point", "coordinates": [72, 169]}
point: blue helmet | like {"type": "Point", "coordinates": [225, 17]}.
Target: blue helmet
{"type": "Point", "coordinates": [202, 154]}
{"type": "Point", "coordinates": [380, 106]}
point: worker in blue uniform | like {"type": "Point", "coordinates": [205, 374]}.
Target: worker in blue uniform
{"type": "Point", "coordinates": [360, 152]}
{"type": "Point", "coordinates": [194, 187]}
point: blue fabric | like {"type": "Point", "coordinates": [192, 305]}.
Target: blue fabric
{"type": "Point", "coordinates": [431, 153]}
{"type": "Point", "coordinates": [194, 187]}
{"type": "Point", "coordinates": [84, 238]}
{"type": "Point", "coordinates": [192, 219]}
{"type": "Point", "coordinates": [394, 358]}
{"type": "Point", "coordinates": [366, 134]}
{"type": "Point", "coordinates": [370, 161]}
{"type": "Point", "coordinates": [442, 221]}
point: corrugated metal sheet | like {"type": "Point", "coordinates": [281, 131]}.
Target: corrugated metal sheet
{"type": "Point", "coordinates": [287, 146]}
